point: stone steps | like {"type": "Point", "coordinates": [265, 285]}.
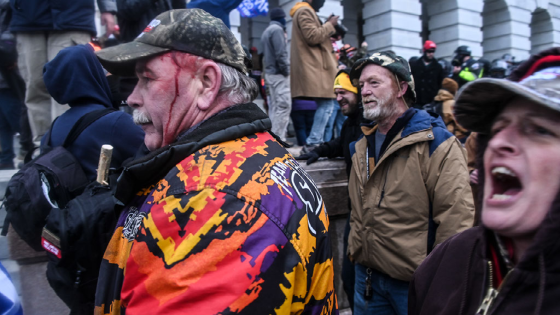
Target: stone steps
{"type": "Point", "coordinates": [11, 266]}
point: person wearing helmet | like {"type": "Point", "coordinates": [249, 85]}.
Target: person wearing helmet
{"type": "Point", "coordinates": [465, 68]}
{"type": "Point", "coordinates": [428, 75]}
{"type": "Point", "coordinates": [498, 69]}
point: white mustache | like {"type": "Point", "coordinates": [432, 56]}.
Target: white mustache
{"type": "Point", "coordinates": [140, 118]}
{"type": "Point", "coordinates": [370, 99]}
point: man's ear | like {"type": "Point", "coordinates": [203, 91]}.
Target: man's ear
{"type": "Point", "coordinates": [403, 88]}
{"type": "Point", "coordinates": [210, 76]}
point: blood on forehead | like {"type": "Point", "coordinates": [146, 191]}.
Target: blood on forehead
{"type": "Point", "coordinates": [186, 61]}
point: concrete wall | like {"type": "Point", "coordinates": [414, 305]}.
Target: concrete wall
{"type": "Point", "coordinates": [453, 23]}
{"type": "Point", "coordinates": [393, 25]}
{"type": "Point", "coordinates": [352, 11]}
{"type": "Point", "coordinates": [506, 29]}
{"type": "Point", "coordinates": [545, 26]}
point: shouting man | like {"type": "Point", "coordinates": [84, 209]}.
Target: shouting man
{"type": "Point", "coordinates": [219, 218]}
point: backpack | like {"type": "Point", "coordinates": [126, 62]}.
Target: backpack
{"type": "Point", "coordinates": [75, 238]}
{"type": "Point", "coordinates": [55, 172]}
{"type": "Point", "coordinates": [434, 107]}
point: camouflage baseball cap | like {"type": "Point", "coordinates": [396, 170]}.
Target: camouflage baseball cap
{"type": "Point", "coordinates": [193, 31]}
{"type": "Point", "coordinates": [396, 64]}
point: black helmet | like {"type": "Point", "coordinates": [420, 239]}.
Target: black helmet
{"type": "Point", "coordinates": [508, 58]}
{"type": "Point", "coordinates": [463, 50]}
{"type": "Point", "coordinates": [498, 68]}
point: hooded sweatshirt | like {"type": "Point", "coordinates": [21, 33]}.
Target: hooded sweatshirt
{"type": "Point", "coordinates": [75, 77]}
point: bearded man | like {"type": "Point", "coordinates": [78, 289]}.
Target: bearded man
{"type": "Point", "coordinates": [219, 218]}
{"type": "Point", "coordinates": [409, 186]}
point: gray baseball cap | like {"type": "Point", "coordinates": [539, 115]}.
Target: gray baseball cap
{"type": "Point", "coordinates": [193, 31]}
{"type": "Point", "coordinates": [479, 102]}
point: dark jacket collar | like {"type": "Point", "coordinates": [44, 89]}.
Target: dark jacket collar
{"type": "Point", "coordinates": [236, 122]}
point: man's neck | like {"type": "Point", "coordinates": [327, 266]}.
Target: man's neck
{"type": "Point", "coordinates": [426, 60]}
{"type": "Point", "coordinates": [385, 125]}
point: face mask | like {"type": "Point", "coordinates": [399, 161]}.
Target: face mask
{"type": "Point", "coordinates": [281, 21]}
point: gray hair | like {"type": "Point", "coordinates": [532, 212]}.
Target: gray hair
{"type": "Point", "coordinates": [237, 87]}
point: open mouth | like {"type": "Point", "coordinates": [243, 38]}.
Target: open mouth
{"type": "Point", "coordinates": [505, 183]}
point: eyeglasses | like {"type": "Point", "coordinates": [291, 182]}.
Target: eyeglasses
{"type": "Point", "coordinates": [431, 51]}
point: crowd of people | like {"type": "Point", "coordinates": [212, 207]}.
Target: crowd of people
{"type": "Point", "coordinates": [451, 167]}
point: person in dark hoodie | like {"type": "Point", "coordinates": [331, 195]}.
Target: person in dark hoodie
{"type": "Point", "coordinates": [348, 97]}
{"type": "Point", "coordinates": [75, 77]}
{"type": "Point", "coordinates": [510, 264]}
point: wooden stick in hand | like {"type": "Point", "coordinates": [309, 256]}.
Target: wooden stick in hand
{"type": "Point", "coordinates": [104, 163]}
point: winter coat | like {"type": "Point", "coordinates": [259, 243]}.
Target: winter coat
{"type": "Point", "coordinates": [448, 101]}
{"type": "Point", "coordinates": [427, 79]}
{"type": "Point", "coordinates": [75, 77]}
{"type": "Point", "coordinates": [217, 8]}
{"type": "Point", "coordinates": [417, 195]}
{"type": "Point", "coordinates": [312, 58]}
{"type": "Point", "coordinates": [60, 15]}
{"type": "Point", "coordinates": [135, 15]}
{"type": "Point", "coordinates": [454, 279]}
{"type": "Point", "coordinates": [221, 221]}
{"type": "Point", "coordinates": [275, 49]}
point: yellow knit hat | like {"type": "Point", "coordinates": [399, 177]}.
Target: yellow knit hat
{"type": "Point", "coordinates": [342, 81]}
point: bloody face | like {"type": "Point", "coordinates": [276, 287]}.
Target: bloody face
{"type": "Point", "coordinates": [522, 168]}
{"type": "Point", "coordinates": [164, 98]}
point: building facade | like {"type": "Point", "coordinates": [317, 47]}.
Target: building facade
{"type": "Point", "coordinates": [491, 28]}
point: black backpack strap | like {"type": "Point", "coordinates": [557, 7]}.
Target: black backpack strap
{"type": "Point", "coordinates": [82, 124]}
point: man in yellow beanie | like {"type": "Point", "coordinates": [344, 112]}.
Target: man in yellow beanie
{"type": "Point", "coordinates": [350, 103]}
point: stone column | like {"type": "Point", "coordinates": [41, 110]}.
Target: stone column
{"type": "Point", "coordinates": [453, 23]}
{"type": "Point", "coordinates": [506, 29]}
{"type": "Point", "coordinates": [393, 25]}
{"type": "Point", "coordinates": [351, 10]}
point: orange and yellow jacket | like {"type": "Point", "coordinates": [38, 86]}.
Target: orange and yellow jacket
{"type": "Point", "coordinates": [234, 227]}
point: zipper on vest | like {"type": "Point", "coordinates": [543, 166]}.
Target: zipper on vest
{"type": "Point", "coordinates": [491, 293]}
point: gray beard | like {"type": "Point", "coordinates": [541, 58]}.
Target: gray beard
{"type": "Point", "coordinates": [385, 109]}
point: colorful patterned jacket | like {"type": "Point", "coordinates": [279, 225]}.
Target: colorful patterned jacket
{"type": "Point", "coordinates": [234, 226]}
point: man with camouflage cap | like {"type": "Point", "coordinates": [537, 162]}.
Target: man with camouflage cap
{"type": "Point", "coordinates": [218, 216]}
{"type": "Point", "coordinates": [409, 186]}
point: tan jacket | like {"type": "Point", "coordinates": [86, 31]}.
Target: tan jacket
{"type": "Point", "coordinates": [422, 173]}
{"type": "Point", "coordinates": [313, 63]}
{"type": "Point", "coordinates": [448, 102]}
